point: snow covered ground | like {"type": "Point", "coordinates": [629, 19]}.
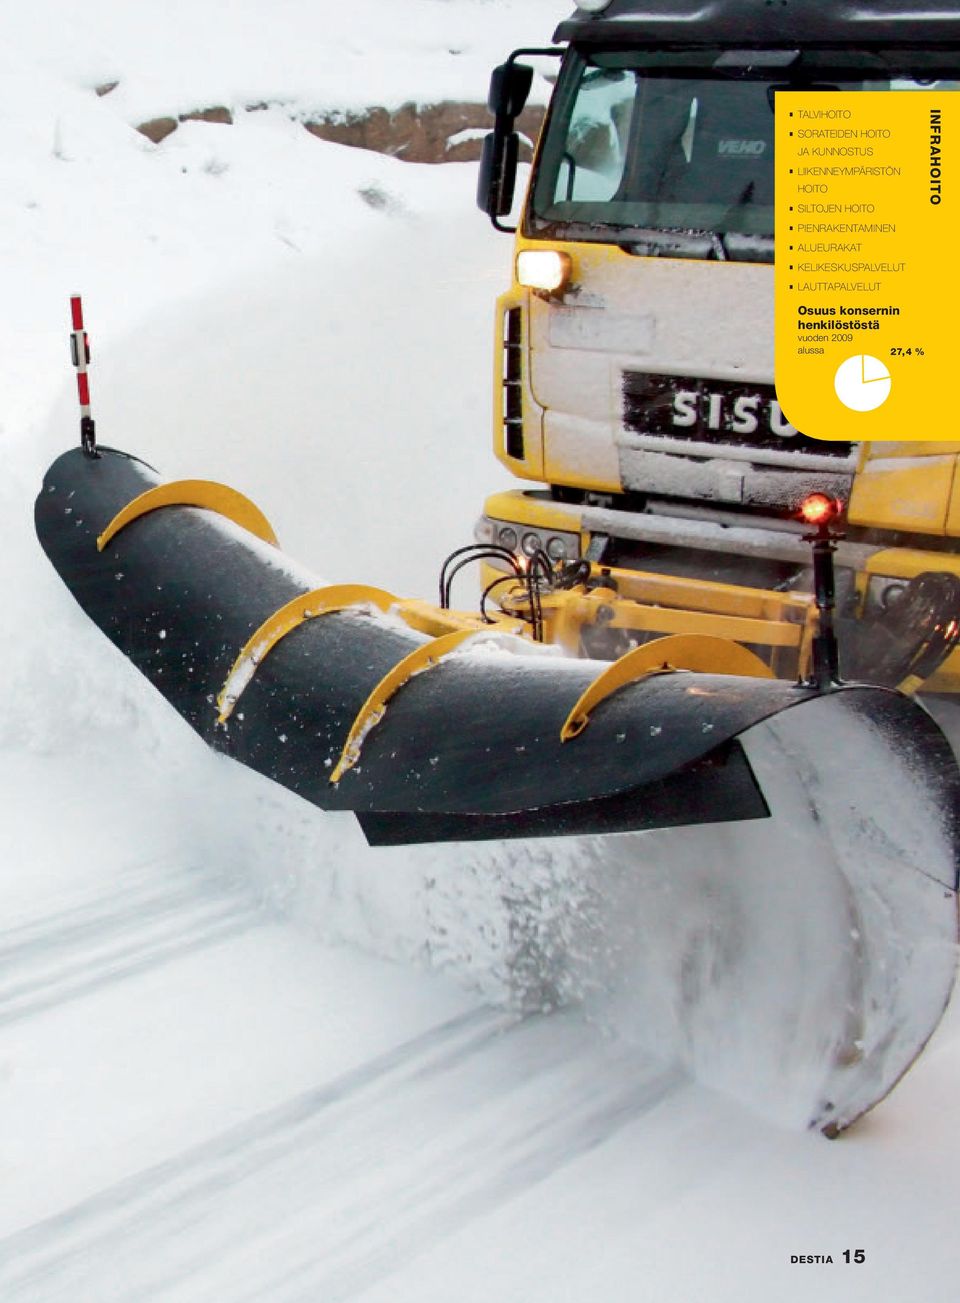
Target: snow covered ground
{"type": "Point", "coordinates": [241, 1057]}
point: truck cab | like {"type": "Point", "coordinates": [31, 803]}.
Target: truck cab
{"type": "Point", "coordinates": [633, 360]}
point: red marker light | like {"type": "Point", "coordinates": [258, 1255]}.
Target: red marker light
{"type": "Point", "coordinates": [818, 508]}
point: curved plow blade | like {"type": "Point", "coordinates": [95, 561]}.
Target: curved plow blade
{"type": "Point", "coordinates": [845, 894]}
{"type": "Point", "coordinates": [799, 963]}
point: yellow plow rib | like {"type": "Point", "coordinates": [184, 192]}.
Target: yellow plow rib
{"type": "Point", "coordinates": [689, 651]}
{"type": "Point", "coordinates": [193, 493]}
{"type": "Point", "coordinates": [319, 601]}
{"type": "Point", "coordinates": [373, 709]}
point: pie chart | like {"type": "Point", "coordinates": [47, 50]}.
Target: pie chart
{"type": "Point", "coordinates": [862, 382]}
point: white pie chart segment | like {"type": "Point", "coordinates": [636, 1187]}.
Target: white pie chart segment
{"type": "Point", "coordinates": [862, 382]}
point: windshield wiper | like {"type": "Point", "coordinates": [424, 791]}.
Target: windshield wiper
{"type": "Point", "coordinates": [653, 241]}
{"type": "Point", "coordinates": [724, 246]}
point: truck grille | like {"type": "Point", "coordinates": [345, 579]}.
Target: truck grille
{"type": "Point", "coordinates": [513, 383]}
{"type": "Point", "coordinates": [716, 415]}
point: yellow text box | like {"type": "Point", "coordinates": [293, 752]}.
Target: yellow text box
{"type": "Point", "coordinates": [866, 263]}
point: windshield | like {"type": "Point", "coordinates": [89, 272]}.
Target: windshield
{"type": "Point", "coordinates": [668, 160]}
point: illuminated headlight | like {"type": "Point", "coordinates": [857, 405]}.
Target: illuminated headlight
{"type": "Point", "coordinates": [591, 6]}
{"type": "Point", "coordinates": [543, 269]}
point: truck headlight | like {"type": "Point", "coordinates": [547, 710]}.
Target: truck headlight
{"type": "Point", "coordinates": [524, 541]}
{"type": "Point", "coordinates": [485, 531]}
{"type": "Point", "coordinates": [548, 270]}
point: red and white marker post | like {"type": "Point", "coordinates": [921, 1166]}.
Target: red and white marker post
{"type": "Point", "coordinates": [80, 351]}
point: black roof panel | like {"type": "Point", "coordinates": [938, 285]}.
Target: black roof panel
{"type": "Point", "coordinates": [752, 23]}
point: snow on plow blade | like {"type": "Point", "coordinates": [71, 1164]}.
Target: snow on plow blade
{"type": "Point", "coordinates": [801, 962]}
{"type": "Point", "coordinates": [329, 692]}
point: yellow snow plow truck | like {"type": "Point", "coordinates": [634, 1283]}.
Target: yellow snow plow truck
{"type": "Point", "coordinates": [767, 819]}
{"type": "Point", "coordinates": [634, 353]}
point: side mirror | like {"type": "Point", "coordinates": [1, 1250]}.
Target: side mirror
{"type": "Point", "coordinates": [498, 173]}
{"type": "Point", "coordinates": [509, 87]}
{"type": "Point", "coordinates": [510, 84]}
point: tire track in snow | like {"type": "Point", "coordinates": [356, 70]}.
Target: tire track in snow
{"type": "Point", "coordinates": [52, 959]}
{"type": "Point", "coordinates": [89, 912]}
{"type": "Point", "coordinates": [476, 1176]}
{"type": "Point", "coordinates": [52, 1258]}
{"type": "Point", "coordinates": [330, 1192]}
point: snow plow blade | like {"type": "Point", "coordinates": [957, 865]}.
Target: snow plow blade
{"type": "Point", "coordinates": [330, 693]}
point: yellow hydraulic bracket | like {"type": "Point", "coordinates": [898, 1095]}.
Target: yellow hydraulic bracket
{"type": "Point", "coordinates": [321, 601]}
{"type": "Point", "coordinates": [374, 708]}
{"type": "Point", "coordinates": [685, 651]}
{"type": "Point", "coordinates": [193, 493]}
{"type": "Point", "coordinates": [911, 684]}
{"type": "Point", "coordinates": [427, 618]}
